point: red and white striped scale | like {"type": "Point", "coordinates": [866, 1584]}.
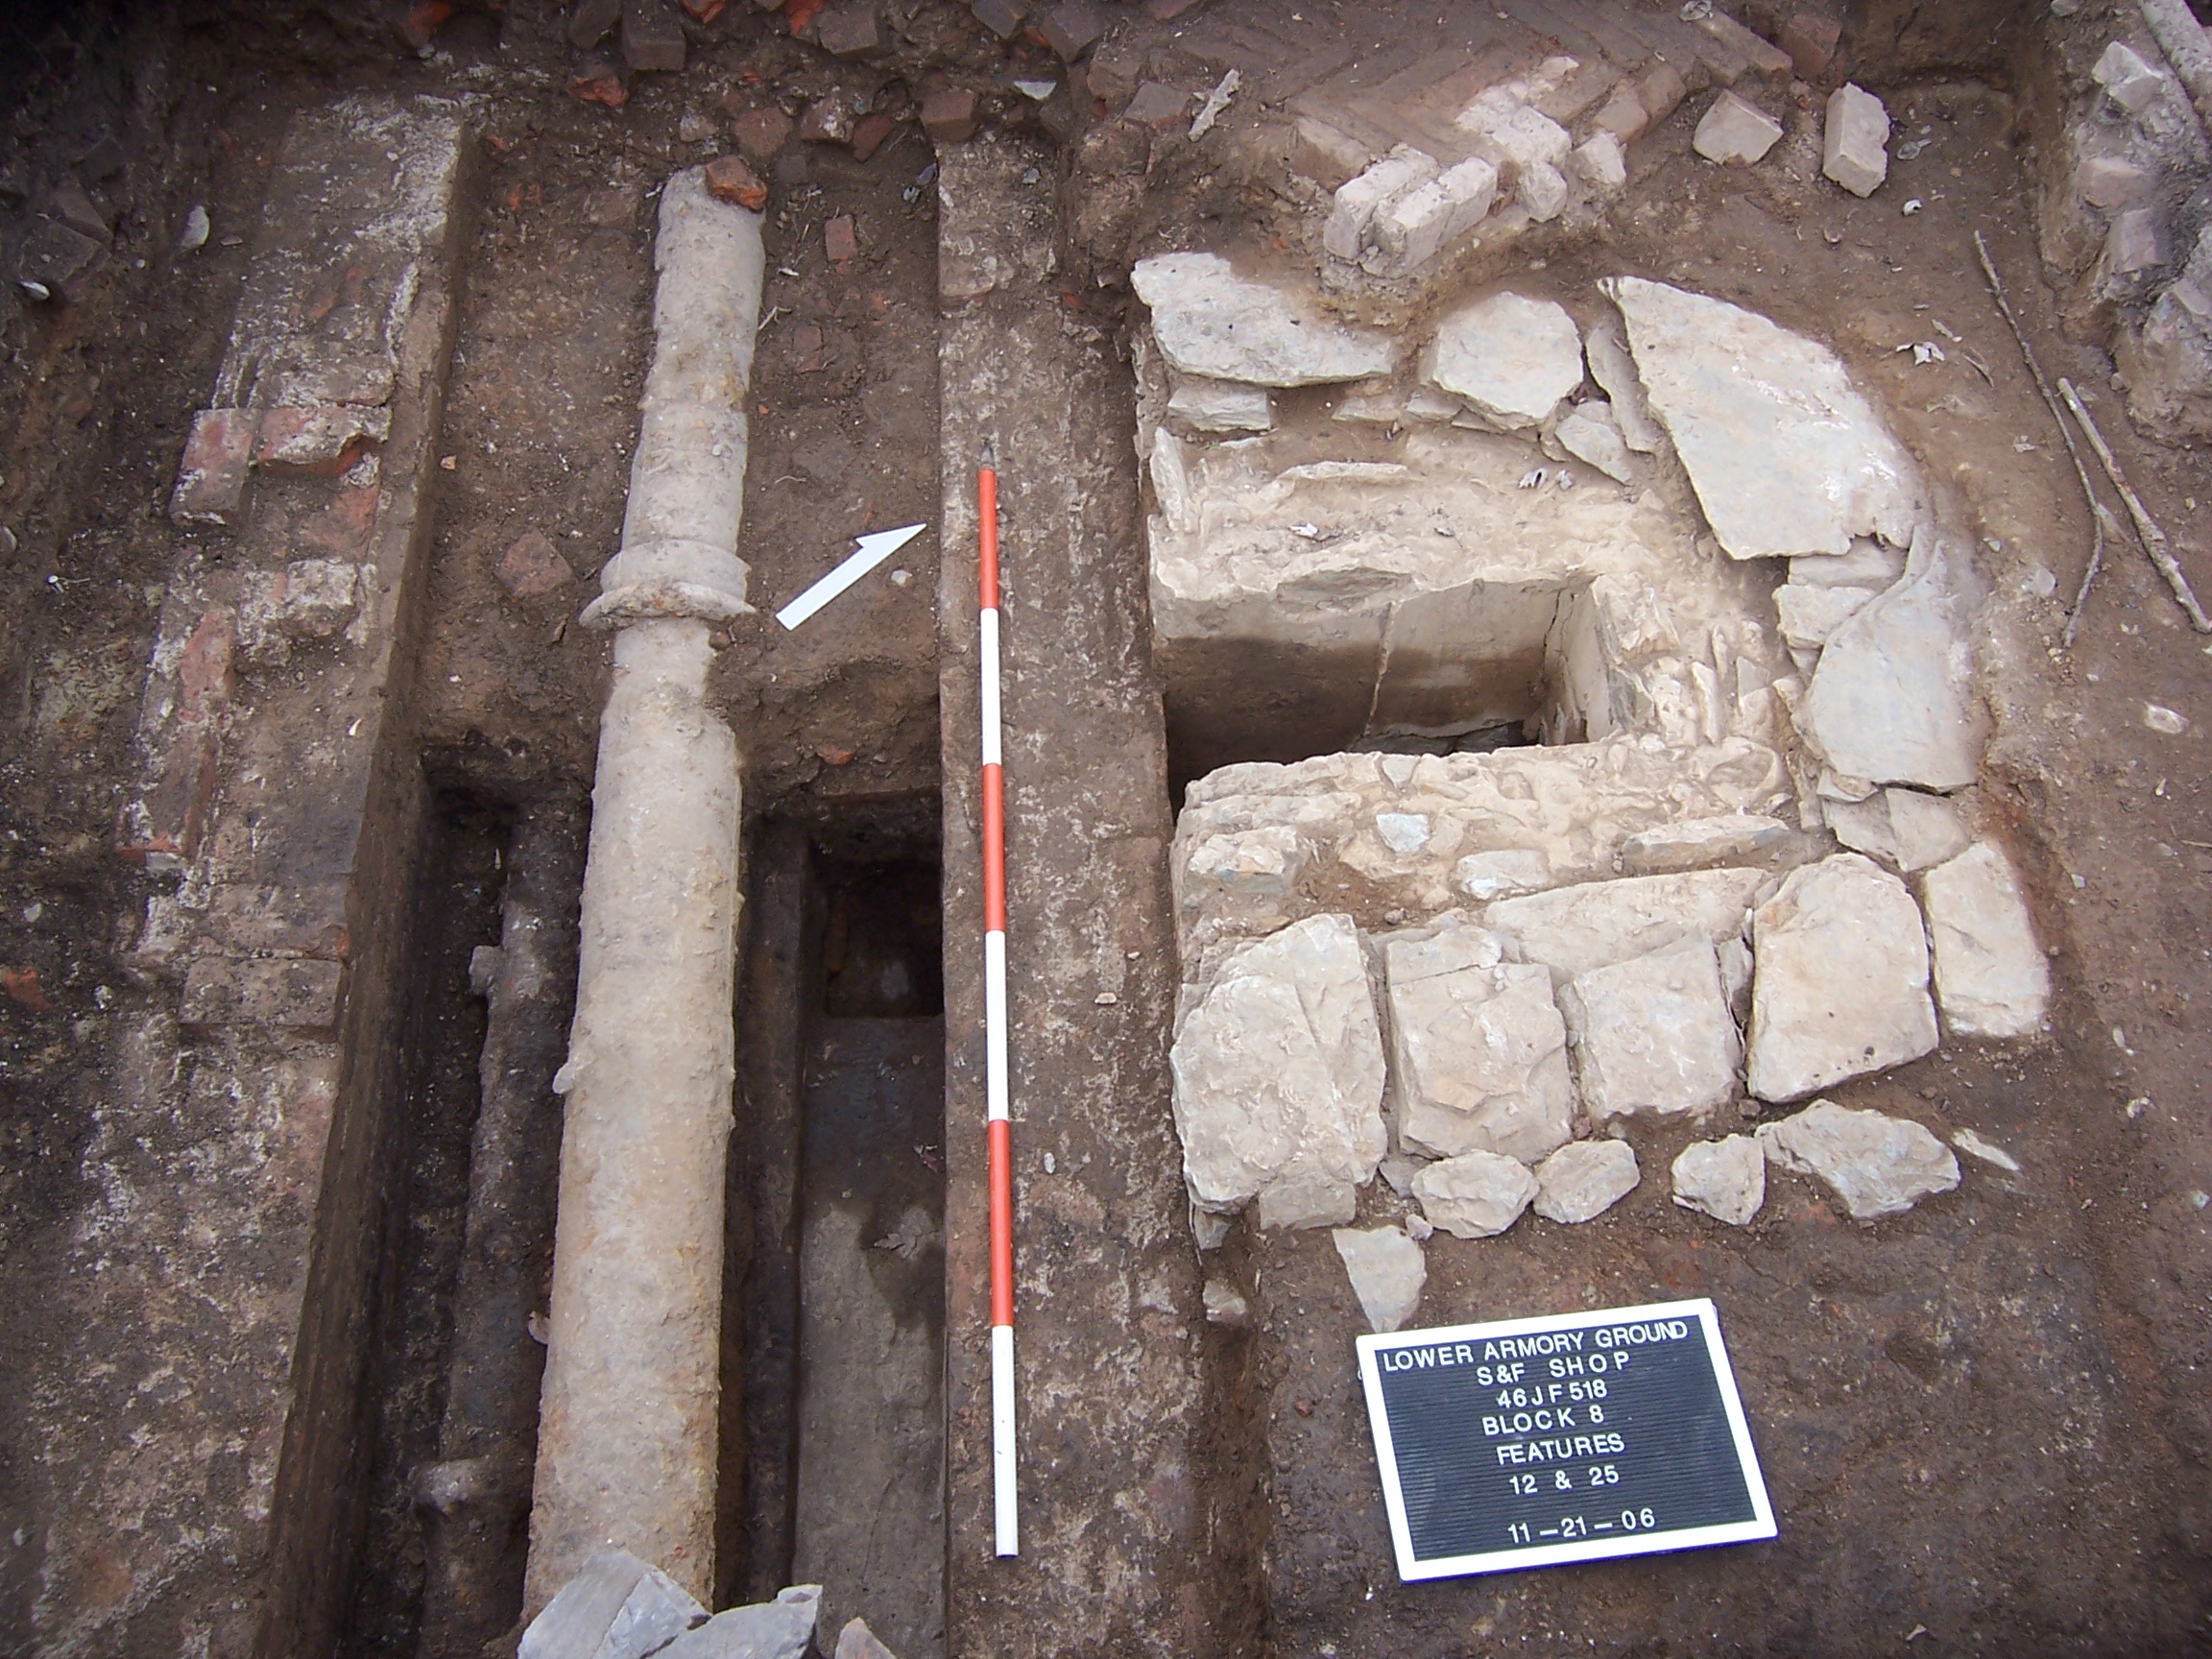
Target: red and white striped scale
{"type": "Point", "coordinates": [995, 1094]}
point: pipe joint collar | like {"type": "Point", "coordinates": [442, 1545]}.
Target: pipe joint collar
{"type": "Point", "coordinates": [661, 602]}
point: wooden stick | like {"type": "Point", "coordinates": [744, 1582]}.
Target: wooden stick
{"type": "Point", "coordinates": [2154, 539]}
{"type": "Point", "coordinates": [2099, 515]}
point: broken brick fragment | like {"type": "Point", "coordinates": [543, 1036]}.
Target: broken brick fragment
{"type": "Point", "coordinates": [652, 37]}
{"type": "Point", "coordinates": [760, 134]}
{"type": "Point", "coordinates": [589, 20]}
{"type": "Point", "coordinates": [840, 240]}
{"type": "Point", "coordinates": [827, 120]}
{"type": "Point", "coordinates": [949, 116]}
{"type": "Point", "coordinates": [1070, 28]}
{"type": "Point", "coordinates": [799, 14]}
{"type": "Point", "coordinates": [532, 566]}
{"type": "Point", "coordinates": [1157, 105]}
{"type": "Point", "coordinates": [848, 30]}
{"type": "Point", "coordinates": [704, 12]}
{"type": "Point", "coordinates": [22, 984]}
{"type": "Point", "coordinates": [869, 134]}
{"type": "Point", "coordinates": [599, 80]}
{"type": "Point", "coordinates": [730, 180]}
{"type": "Point", "coordinates": [424, 20]}
{"type": "Point", "coordinates": [215, 477]}
{"type": "Point", "coordinates": [321, 440]}
{"type": "Point", "coordinates": [1002, 17]}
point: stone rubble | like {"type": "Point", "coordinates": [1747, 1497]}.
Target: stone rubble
{"type": "Point", "coordinates": [1902, 828]}
{"type": "Point", "coordinates": [1415, 226]}
{"type": "Point", "coordinates": [1589, 432]}
{"type": "Point", "coordinates": [1735, 131]}
{"type": "Point", "coordinates": [1205, 405]}
{"type": "Point", "coordinates": [1991, 977]}
{"type": "Point", "coordinates": [1478, 1052]}
{"type": "Point", "coordinates": [615, 1607]}
{"type": "Point", "coordinates": [1841, 986]}
{"type": "Point", "coordinates": [1704, 843]}
{"type": "Point", "coordinates": [1654, 1035]}
{"type": "Point", "coordinates": [1573, 930]}
{"type": "Point", "coordinates": [1387, 1272]}
{"type": "Point", "coordinates": [1210, 322]}
{"type": "Point", "coordinates": [1225, 1305]}
{"type": "Point", "coordinates": [1278, 1078]}
{"type": "Point", "coordinates": [1725, 1179]}
{"type": "Point", "coordinates": [1855, 140]}
{"type": "Point", "coordinates": [1786, 455]}
{"type": "Point", "coordinates": [858, 1642]}
{"type": "Point", "coordinates": [779, 1630]}
{"type": "Point", "coordinates": [1351, 221]}
{"type": "Point", "coordinates": [1475, 1195]}
{"type": "Point", "coordinates": [1511, 359]}
{"type": "Point", "coordinates": [1584, 1179]}
{"type": "Point", "coordinates": [1877, 1165]}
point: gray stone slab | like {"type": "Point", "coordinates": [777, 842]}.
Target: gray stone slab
{"type": "Point", "coordinates": [1210, 321]}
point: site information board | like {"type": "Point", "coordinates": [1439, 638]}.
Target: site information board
{"type": "Point", "coordinates": [1530, 1442]}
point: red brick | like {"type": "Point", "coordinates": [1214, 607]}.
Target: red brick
{"type": "Point", "coordinates": [424, 20]}
{"type": "Point", "coordinates": [1002, 17]}
{"type": "Point", "coordinates": [839, 239]}
{"type": "Point", "coordinates": [869, 134]}
{"type": "Point", "coordinates": [308, 921]}
{"type": "Point", "coordinates": [949, 116]}
{"type": "Point", "coordinates": [730, 180]}
{"type": "Point", "coordinates": [215, 477]}
{"type": "Point", "coordinates": [760, 134]}
{"type": "Point", "coordinates": [1811, 40]}
{"type": "Point", "coordinates": [343, 527]}
{"type": "Point", "coordinates": [589, 21]}
{"type": "Point", "coordinates": [1070, 28]}
{"type": "Point", "coordinates": [206, 677]}
{"type": "Point", "coordinates": [1157, 105]}
{"type": "Point", "coordinates": [704, 11]}
{"type": "Point", "coordinates": [848, 30]}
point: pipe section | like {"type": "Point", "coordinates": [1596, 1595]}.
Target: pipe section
{"type": "Point", "coordinates": [627, 1420]}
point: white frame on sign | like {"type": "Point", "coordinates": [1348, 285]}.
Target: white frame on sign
{"type": "Point", "coordinates": [1657, 1540]}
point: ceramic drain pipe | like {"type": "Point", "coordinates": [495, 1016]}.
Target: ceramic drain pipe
{"type": "Point", "coordinates": [627, 1417]}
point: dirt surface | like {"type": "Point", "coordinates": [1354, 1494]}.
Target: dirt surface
{"type": "Point", "coordinates": [1986, 1426]}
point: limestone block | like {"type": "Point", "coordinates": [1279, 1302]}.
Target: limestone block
{"type": "Point", "coordinates": [1991, 978]}
{"type": "Point", "coordinates": [1870, 565]}
{"type": "Point", "coordinates": [1622, 117]}
{"type": "Point", "coordinates": [1598, 161]}
{"type": "Point", "coordinates": [1808, 615]}
{"type": "Point", "coordinates": [1477, 1051]}
{"type": "Point", "coordinates": [1735, 131]}
{"type": "Point", "coordinates": [1653, 1034]}
{"type": "Point", "coordinates": [1584, 1179]}
{"type": "Point", "coordinates": [1352, 213]}
{"type": "Point", "coordinates": [1900, 827]}
{"type": "Point", "coordinates": [1704, 844]}
{"type": "Point", "coordinates": [1841, 982]}
{"type": "Point", "coordinates": [858, 1642]}
{"type": "Point", "coordinates": [1785, 453]}
{"type": "Point", "coordinates": [1387, 1271]}
{"type": "Point", "coordinates": [1855, 142]}
{"type": "Point", "coordinates": [1892, 699]}
{"type": "Point", "coordinates": [1415, 226]}
{"type": "Point", "coordinates": [1588, 432]}
{"type": "Point", "coordinates": [1877, 1165]}
{"type": "Point", "coordinates": [1476, 1195]}
{"type": "Point", "coordinates": [2128, 81]}
{"type": "Point", "coordinates": [2109, 183]}
{"type": "Point", "coordinates": [1725, 1179]}
{"type": "Point", "coordinates": [1507, 133]}
{"type": "Point", "coordinates": [1511, 359]}
{"type": "Point", "coordinates": [1277, 1076]}
{"type": "Point", "coordinates": [1487, 875]}
{"type": "Point", "coordinates": [1206, 405]}
{"type": "Point", "coordinates": [1542, 189]}
{"type": "Point", "coordinates": [1209, 321]}
{"type": "Point", "coordinates": [1572, 931]}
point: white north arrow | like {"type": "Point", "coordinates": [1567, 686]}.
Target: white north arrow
{"type": "Point", "coordinates": [873, 549]}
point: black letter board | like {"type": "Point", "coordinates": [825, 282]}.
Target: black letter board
{"type": "Point", "coordinates": [1529, 1442]}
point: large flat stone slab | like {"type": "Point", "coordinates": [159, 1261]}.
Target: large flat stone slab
{"type": "Point", "coordinates": [1841, 986]}
{"type": "Point", "coordinates": [1573, 931]}
{"type": "Point", "coordinates": [1211, 321]}
{"type": "Point", "coordinates": [1892, 700]}
{"type": "Point", "coordinates": [1991, 978]}
{"type": "Point", "coordinates": [1787, 455]}
{"type": "Point", "coordinates": [1279, 1078]}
